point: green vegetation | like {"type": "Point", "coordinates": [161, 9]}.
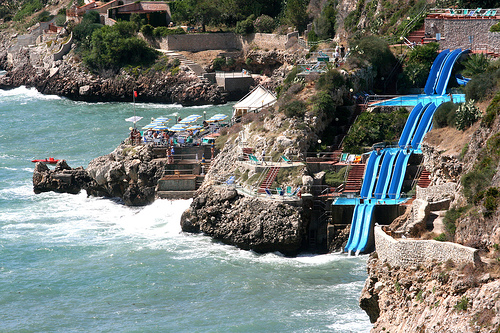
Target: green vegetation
{"type": "Point", "coordinates": [450, 219]}
{"type": "Point", "coordinates": [29, 7]}
{"type": "Point", "coordinates": [480, 177]}
{"type": "Point", "coordinates": [462, 304]}
{"type": "Point", "coordinates": [418, 64]}
{"type": "Point", "coordinates": [335, 179]}
{"type": "Point", "coordinates": [373, 127]}
{"type": "Point", "coordinates": [324, 25]}
{"type": "Point", "coordinates": [445, 115]}
{"type": "Point", "coordinates": [375, 52]}
{"type": "Point", "coordinates": [264, 23]}
{"type": "Point", "coordinates": [466, 115]}
{"type": "Point", "coordinates": [491, 112]}
{"type": "Point", "coordinates": [441, 237]}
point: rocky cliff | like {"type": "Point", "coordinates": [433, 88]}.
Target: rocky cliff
{"type": "Point", "coordinates": [35, 67]}
{"type": "Point", "coordinates": [129, 173]}
{"type": "Point", "coordinates": [438, 297]}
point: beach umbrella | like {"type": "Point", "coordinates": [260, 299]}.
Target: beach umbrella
{"type": "Point", "coordinates": [178, 128]}
{"type": "Point", "coordinates": [190, 119]}
{"type": "Point", "coordinates": [161, 120]}
{"type": "Point", "coordinates": [193, 127]}
{"type": "Point", "coordinates": [149, 126]}
{"type": "Point", "coordinates": [217, 117]}
{"type": "Point", "coordinates": [160, 128]}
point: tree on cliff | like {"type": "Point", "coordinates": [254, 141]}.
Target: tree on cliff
{"type": "Point", "coordinates": [112, 47]}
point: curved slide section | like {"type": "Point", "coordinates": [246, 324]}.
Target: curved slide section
{"type": "Point", "coordinates": [384, 176]}
{"type": "Point", "coordinates": [445, 73]}
{"type": "Point", "coordinates": [424, 125]}
{"type": "Point", "coordinates": [366, 237]}
{"type": "Point", "coordinates": [398, 175]}
{"type": "Point", "coordinates": [411, 124]}
{"type": "Point", "coordinates": [433, 74]}
{"type": "Point", "coordinates": [356, 226]}
{"type": "Point", "coordinates": [370, 175]}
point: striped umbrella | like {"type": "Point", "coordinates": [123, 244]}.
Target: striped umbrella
{"type": "Point", "coordinates": [178, 128]}
{"type": "Point", "coordinates": [149, 126]}
{"type": "Point", "coordinates": [193, 127]}
{"type": "Point", "coordinates": [217, 117]}
{"type": "Point", "coordinates": [190, 119]}
{"type": "Point", "coordinates": [160, 128]}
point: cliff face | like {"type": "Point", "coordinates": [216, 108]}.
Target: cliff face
{"type": "Point", "coordinates": [435, 298]}
{"type": "Point", "coordinates": [246, 222]}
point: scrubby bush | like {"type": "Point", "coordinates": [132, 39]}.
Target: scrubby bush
{"type": "Point", "coordinates": [264, 23]}
{"type": "Point", "coordinates": [476, 64]}
{"type": "Point", "coordinates": [28, 8]}
{"type": "Point", "coordinates": [147, 30]}
{"type": "Point", "coordinates": [217, 63]}
{"type": "Point", "coordinates": [165, 31]}
{"type": "Point", "coordinates": [294, 109]}
{"type": "Point", "coordinates": [245, 27]}
{"type": "Point", "coordinates": [482, 86]}
{"type": "Point", "coordinates": [445, 115]}
{"type": "Point", "coordinates": [466, 115]}
{"type": "Point", "coordinates": [335, 179]}
{"type": "Point", "coordinates": [491, 112]}
{"type": "Point", "coordinates": [324, 25]}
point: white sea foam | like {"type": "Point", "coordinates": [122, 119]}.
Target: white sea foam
{"type": "Point", "coordinates": [25, 92]}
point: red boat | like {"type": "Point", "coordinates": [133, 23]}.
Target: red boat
{"type": "Point", "coordinates": [49, 160]}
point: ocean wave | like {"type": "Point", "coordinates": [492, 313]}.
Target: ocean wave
{"type": "Point", "coordinates": [25, 92]}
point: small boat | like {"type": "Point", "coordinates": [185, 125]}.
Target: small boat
{"type": "Point", "coordinates": [49, 160]}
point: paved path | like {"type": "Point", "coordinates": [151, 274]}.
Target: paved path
{"type": "Point", "coordinates": [185, 61]}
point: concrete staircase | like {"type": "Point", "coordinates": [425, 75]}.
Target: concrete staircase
{"type": "Point", "coordinates": [268, 181]}
{"type": "Point", "coordinates": [355, 178]}
{"type": "Point", "coordinates": [417, 35]}
{"type": "Point", "coordinates": [197, 69]}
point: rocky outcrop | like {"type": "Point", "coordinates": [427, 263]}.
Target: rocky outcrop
{"type": "Point", "coordinates": [129, 173]}
{"type": "Point", "coordinates": [437, 297]}
{"type": "Point", "coordinates": [63, 179]}
{"type": "Point", "coordinates": [246, 222]}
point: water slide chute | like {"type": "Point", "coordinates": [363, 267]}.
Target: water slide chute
{"type": "Point", "coordinates": [371, 172]}
{"type": "Point", "coordinates": [433, 74]}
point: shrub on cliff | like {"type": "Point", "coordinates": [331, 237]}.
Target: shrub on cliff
{"type": "Point", "coordinates": [245, 27]}
{"type": "Point", "coordinates": [376, 52]}
{"type": "Point", "coordinates": [445, 115]}
{"type": "Point", "coordinates": [28, 8]}
{"type": "Point", "coordinates": [466, 115]}
{"type": "Point", "coordinates": [264, 23]}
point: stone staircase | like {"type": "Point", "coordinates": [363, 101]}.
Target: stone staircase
{"type": "Point", "coordinates": [355, 178]}
{"type": "Point", "coordinates": [417, 35]}
{"type": "Point", "coordinates": [197, 69]}
{"type": "Point", "coordinates": [268, 181]}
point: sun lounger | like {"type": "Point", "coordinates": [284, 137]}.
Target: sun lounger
{"type": "Point", "coordinates": [268, 192]}
{"type": "Point", "coordinates": [286, 159]}
{"type": "Point", "coordinates": [344, 157]}
{"type": "Point", "coordinates": [254, 159]}
{"type": "Point", "coordinates": [280, 191]}
{"type": "Point", "coordinates": [297, 190]}
{"type": "Point", "coordinates": [288, 190]}
{"type": "Point", "coordinates": [230, 180]}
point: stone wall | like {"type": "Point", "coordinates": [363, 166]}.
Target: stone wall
{"type": "Point", "coordinates": [437, 192]}
{"type": "Point", "coordinates": [65, 48]}
{"type": "Point", "coordinates": [227, 41]}
{"type": "Point", "coordinates": [464, 33]}
{"type": "Point", "coordinates": [411, 252]}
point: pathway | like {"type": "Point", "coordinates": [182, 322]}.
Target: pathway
{"type": "Point", "coordinates": [196, 68]}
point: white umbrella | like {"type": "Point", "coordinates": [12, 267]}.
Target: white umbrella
{"type": "Point", "coordinates": [190, 119]}
{"type": "Point", "coordinates": [133, 119]}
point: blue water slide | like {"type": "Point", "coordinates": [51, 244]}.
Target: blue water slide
{"type": "Point", "coordinates": [411, 124]}
{"type": "Point", "coordinates": [444, 75]}
{"type": "Point", "coordinates": [384, 175]}
{"type": "Point", "coordinates": [370, 174]}
{"type": "Point", "coordinates": [356, 225]}
{"type": "Point", "coordinates": [366, 238]}
{"type": "Point", "coordinates": [433, 74]}
{"type": "Point", "coordinates": [398, 175]}
{"type": "Point", "coordinates": [424, 125]}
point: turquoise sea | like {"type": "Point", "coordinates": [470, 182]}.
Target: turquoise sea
{"type": "Point", "coordinates": [69, 263]}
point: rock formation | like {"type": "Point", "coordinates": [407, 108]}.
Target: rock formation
{"type": "Point", "coordinates": [246, 222]}
{"type": "Point", "coordinates": [129, 173]}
